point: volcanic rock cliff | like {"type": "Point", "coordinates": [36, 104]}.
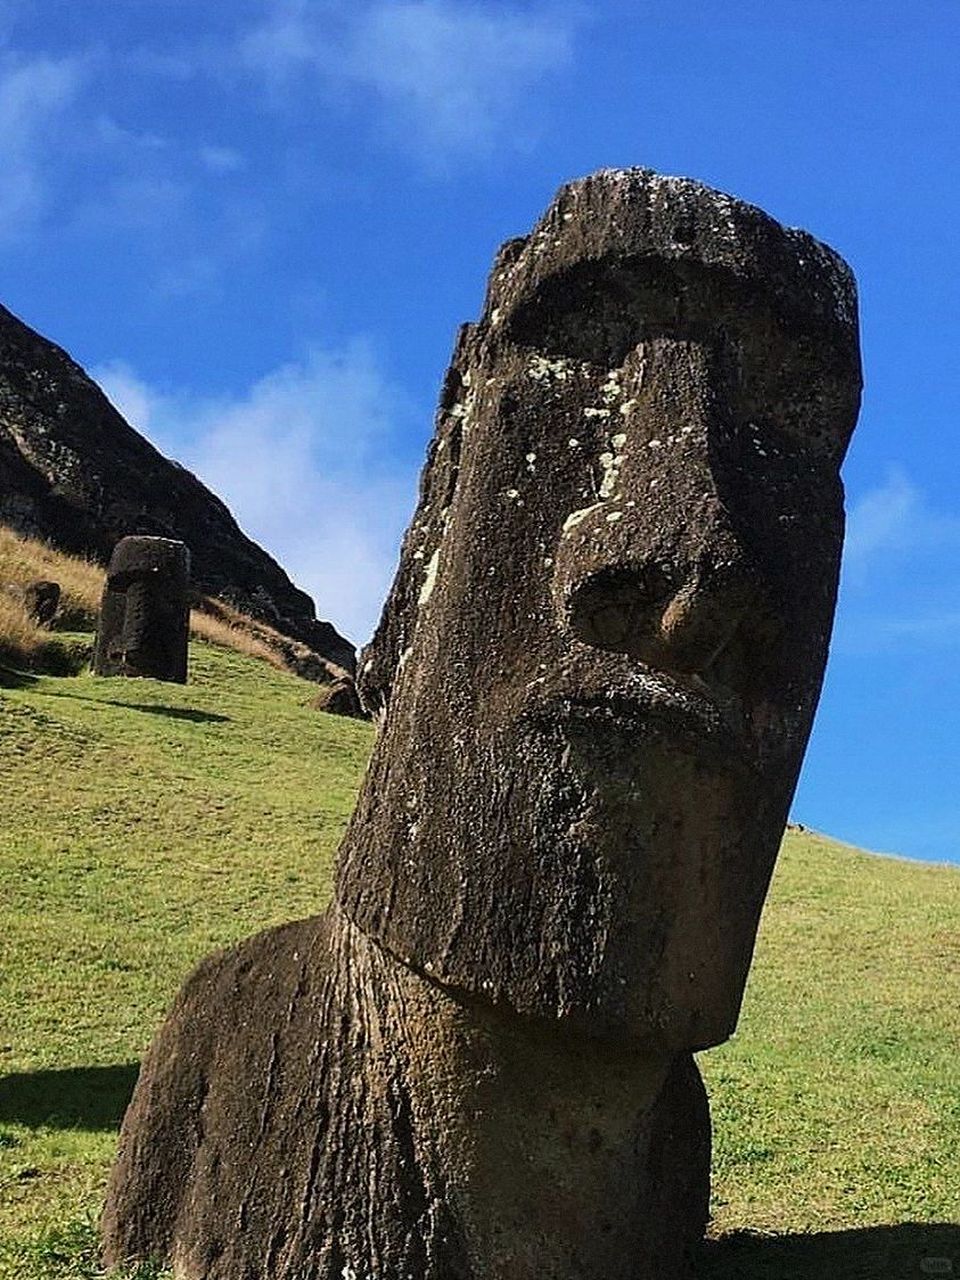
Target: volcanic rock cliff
{"type": "Point", "coordinates": [75, 473]}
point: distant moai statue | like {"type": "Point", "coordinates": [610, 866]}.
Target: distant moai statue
{"type": "Point", "coordinates": [144, 611]}
{"type": "Point", "coordinates": [595, 675]}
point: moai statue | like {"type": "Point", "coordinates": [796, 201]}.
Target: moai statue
{"type": "Point", "coordinates": [595, 675]}
{"type": "Point", "coordinates": [144, 611]}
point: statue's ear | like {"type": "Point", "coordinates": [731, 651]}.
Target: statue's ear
{"type": "Point", "coordinates": [381, 658]}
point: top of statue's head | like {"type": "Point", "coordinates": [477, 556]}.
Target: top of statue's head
{"type": "Point", "coordinates": [137, 557]}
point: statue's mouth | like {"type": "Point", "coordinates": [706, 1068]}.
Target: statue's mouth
{"type": "Point", "coordinates": [648, 704]}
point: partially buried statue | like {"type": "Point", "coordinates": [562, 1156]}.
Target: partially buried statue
{"type": "Point", "coordinates": [144, 611]}
{"type": "Point", "coordinates": [596, 674]}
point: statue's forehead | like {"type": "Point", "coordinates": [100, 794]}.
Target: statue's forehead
{"type": "Point", "coordinates": [633, 219]}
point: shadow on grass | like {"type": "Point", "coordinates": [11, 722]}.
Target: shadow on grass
{"type": "Point", "coordinates": [174, 713]}
{"type": "Point", "coordinates": [77, 1098]}
{"type": "Point", "coordinates": [908, 1251]}
{"type": "Point", "coordinates": [12, 679]}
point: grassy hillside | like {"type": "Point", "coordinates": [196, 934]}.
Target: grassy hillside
{"type": "Point", "coordinates": [143, 824]}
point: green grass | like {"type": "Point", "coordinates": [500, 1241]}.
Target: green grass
{"type": "Point", "coordinates": [142, 824]}
{"type": "Point", "coordinates": [836, 1105]}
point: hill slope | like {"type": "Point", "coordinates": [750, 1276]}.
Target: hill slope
{"type": "Point", "coordinates": [143, 824]}
{"type": "Point", "coordinates": [74, 473]}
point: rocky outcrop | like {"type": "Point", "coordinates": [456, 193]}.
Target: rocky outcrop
{"type": "Point", "coordinates": [75, 473]}
{"type": "Point", "coordinates": [339, 698]}
{"type": "Point", "coordinates": [595, 674]}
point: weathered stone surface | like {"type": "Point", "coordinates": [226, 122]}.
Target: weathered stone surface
{"type": "Point", "coordinates": [596, 673]}
{"type": "Point", "coordinates": [41, 599]}
{"type": "Point", "coordinates": [74, 473]}
{"type": "Point", "coordinates": [376, 1125]}
{"type": "Point", "coordinates": [144, 611]}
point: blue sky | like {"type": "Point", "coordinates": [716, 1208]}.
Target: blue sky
{"type": "Point", "coordinates": [259, 222]}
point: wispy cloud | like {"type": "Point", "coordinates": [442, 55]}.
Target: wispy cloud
{"type": "Point", "coordinates": [34, 94]}
{"type": "Point", "coordinates": [303, 460]}
{"type": "Point", "coordinates": [929, 631]}
{"type": "Point", "coordinates": [901, 574]}
{"type": "Point", "coordinates": [894, 518]}
{"type": "Point", "coordinates": [447, 77]}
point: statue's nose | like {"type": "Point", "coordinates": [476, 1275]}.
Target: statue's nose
{"type": "Point", "coordinates": [655, 568]}
{"type": "Point", "coordinates": [672, 621]}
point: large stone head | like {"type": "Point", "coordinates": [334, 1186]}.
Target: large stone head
{"type": "Point", "coordinates": [600, 659]}
{"type": "Point", "coordinates": [144, 611]}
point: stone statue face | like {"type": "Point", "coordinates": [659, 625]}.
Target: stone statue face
{"type": "Point", "coordinates": [607, 637]}
{"type": "Point", "coordinates": [144, 610]}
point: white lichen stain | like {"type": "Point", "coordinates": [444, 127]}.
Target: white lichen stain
{"type": "Point", "coordinates": [494, 317]}
{"type": "Point", "coordinates": [611, 389]}
{"type": "Point", "coordinates": [619, 440]}
{"type": "Point", "coordinates": [592, 412]}
{"type": "Point", "coordinates": [512, 493]}
{"type": "Point", "coordinates": [654, 444]}
{"type": "Point", "coordinates": [430, 578]}
{"type": "Point", "coordinates": [573, 443]}
{"type": "Point", "coordinates": [614, 516]}
{"type": "Point", "coordinates": [628, 406]}
{"type": "Point", "coordinates": [541, 369]}
{"type": "Point", "coordinates": [575, 517]}
{"type": "Point", "coordinates": [610, 464]}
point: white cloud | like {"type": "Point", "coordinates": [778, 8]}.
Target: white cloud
{"type": "Point", "coordinates": [33, 94]}
{"type": "Point", "coordinates": [135, 400]}
{"type": "Point", "coordinates": [879, 519]}
{"type": "Point", "coordinates": [450, 76]}
{"type": "Point", "coordinates": [891, 519]}
{"type": "Point", "coordinates": [900, 583]}
{"type": "Point", "coordinates": [302, 459]}
{"type": "Point", "coordinates": [876, 632]}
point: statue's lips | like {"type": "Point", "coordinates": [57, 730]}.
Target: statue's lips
{"type": "Point", "coordinates": [649, 704]}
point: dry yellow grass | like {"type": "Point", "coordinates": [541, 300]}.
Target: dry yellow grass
{"type": "Point", "coordinates": [22, 642]}
{"type": "Point", "coordinates": [24, 560]}
{"type": "Point", "coordinates": [237, 633]}
{"type": "Point", "coordinates": [18, 632]}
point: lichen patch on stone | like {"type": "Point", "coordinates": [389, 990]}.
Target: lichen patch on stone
{"type": "Point", "coordinates": [575, 517]}
{"type": "Point", "coordinates": [542, 369]}
{"type": "Point", "coordinates": [430, 578]}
